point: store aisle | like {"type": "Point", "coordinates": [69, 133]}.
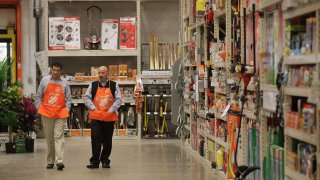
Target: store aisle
{"type": "Point", "coordinates": [130, 160]}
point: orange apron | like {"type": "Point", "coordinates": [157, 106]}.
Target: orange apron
{"type": "Point", "coordinates": [103, 101]}
{"type": "Point", "coordinates": [53, 103]}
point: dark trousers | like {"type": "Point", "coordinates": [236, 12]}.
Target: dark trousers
{"type": "Point", "coordinates": [101, 134]}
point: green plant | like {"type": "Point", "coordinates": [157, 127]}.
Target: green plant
{"type": "Point", "coordinates": [9, 118]}
{"type": "Point", "coordinates": [4, 69]}
{"type": "Point", "coordinates": [10, 107]}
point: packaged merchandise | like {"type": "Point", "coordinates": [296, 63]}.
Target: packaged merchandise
{"type": "Point", "coordinates": [128, 33]}
{"type": "Point", "coordinates": [56, 33]}
{"type": "Point", "coordinates": [109, 34]}
{"type": "Point", "coordinates": [72, 32]}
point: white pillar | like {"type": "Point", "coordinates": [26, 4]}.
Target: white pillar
{"type": "Point", "coordinates": [28, 47]}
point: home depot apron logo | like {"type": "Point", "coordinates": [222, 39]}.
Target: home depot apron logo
{"type": "Point", "coordinates": [53, 99]}
{"type": "Point", "coordinates": [104, 101]}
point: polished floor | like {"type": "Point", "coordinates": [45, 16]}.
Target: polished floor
{"type": "Point", "coordinates": [130, 160]}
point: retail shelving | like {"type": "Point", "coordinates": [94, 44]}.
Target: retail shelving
{"type": "Point", "coordinates": [300, 60]}
{"type": "Point", "coordinates": [295, 175]}
{"type": "Point", "coordinates": [296, 91]}
{"type": "Point", "coordinates": [133, 8]}
{"type": "Point", "coordinates": [90, 53]}
{"type": "Point", "coordinates": [300, 135]}
{"type": "Point", "coordinates": [302, 9]}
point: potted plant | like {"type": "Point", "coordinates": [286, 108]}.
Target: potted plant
{"type": "Point", "coordinates": [28, 121]}
{"type": "Point", "coordinates": [9, 118]}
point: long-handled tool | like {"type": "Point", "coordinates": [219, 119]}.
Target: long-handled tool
{"type": "Point", "coordinates": [164, 121]}
{"type": "Point", "coordinates": [145, 119]}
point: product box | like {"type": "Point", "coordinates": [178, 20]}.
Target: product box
{"type": "Point", "coordinates": [109, 34]}
{"type": "Point", "coordinates": [127, 33]}
{"type": "Point", "coordinates": [56, 33]}
{"type": "Point", "coordinates": [94, 71]}
{"type": "Point", "coordinates": [4, 138]}
{"type": "Point", "coordinates": [72, 32]}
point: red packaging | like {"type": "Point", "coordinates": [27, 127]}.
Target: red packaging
{"type": "Point", "coordinates": [128, 33]}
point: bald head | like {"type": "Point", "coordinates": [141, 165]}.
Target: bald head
{"type": "Point", "coordinates": [103, 73]}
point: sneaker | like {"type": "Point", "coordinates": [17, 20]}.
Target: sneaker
{"type": "Point", "coordinates": [60, 166]}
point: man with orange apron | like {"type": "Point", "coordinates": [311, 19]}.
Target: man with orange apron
{"type": "Point", "coordinates": [103, 98]}
{"type": "Point", "coordinates": [53, 101]}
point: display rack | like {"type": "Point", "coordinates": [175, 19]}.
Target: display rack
{"type": "Point", "coordinates": [201, 120]}
{"type": "Point", "coordinates": [308, 93]}
{"type": "Point", "coordinates": [87, 58]}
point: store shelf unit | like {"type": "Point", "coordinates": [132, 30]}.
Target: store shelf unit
{"type": "Point", "coordinates": [308, 93]}
{"type": "Point", "coordinates": [43, 56]}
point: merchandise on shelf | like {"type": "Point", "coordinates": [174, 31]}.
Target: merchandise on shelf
{"type": "Point", "coordinates": [56, 33]}
{"type": "Point", "coordinates": [301, 76]}
{"type": "Point", "coordinates": [72, 32]}
{"type": "Point", "coordinates": [123, 71]}
{"type": "Point", "coordinates": [305, 121]}
{"type": "Point", "coordinates": [113, 72]}
{"type": "Point", "coordinates": [128, 33]}
{"type": "Point", "coordinates": [109, 34]}
{"type": "Point", "coordinates": [94, 71]}
{"type": "Point", "coordinates": [300, 36]}
{"type": "Point", "coordinates": [303, 159]}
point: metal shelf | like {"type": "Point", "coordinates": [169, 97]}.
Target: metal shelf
{"type": "Point", "coordinates": [301, 10]}
{"type": "Point", "coordinates": [219, 13]}
{"type": "Point", "coordinates": [268, 87]}
{"type": "Point", "coordinates": [167, 77]}
{"type": "Point", "coordinates": [197, 24]}
{"type": "Point", "coordinates": [295, 91]}
{"type": "Point", "coordinates": [267, 3]}
{"type": "Point", "coordinates": [221, 174]}
{"type": "Point", "coordinates": [302, 136]}
{"type": "Point", "coordinates": [301, 59]}
{"type": "Point", "coordinates": [294, 175]}
{"type": "Point", "coordinates": [88, 53]}
{"type": "Point", "coordinates": [222, 143]}
{"type": "Point", "coordinates": [86, 83]}
{"type": "Point", "coordinates": [211, 137]}
{"type": "Point", "coordinates": [106, 0]}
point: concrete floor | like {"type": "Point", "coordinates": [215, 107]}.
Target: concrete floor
{"type": "Point", "coordinates": [130, 160]}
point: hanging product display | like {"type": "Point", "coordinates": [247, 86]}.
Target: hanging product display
{"type": "Point", "coordinates": [109, 34]}
{"type": "Point", "coordinates": [92, 40]}
{"type": "Point", "coordinates": [56, 33]}
{"type": "Point", "coordinates": [127, 33]}
{"type": "Point", "coordinates": [131, 122]}
{"type": "Point", "coordinates": [72, 32]}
